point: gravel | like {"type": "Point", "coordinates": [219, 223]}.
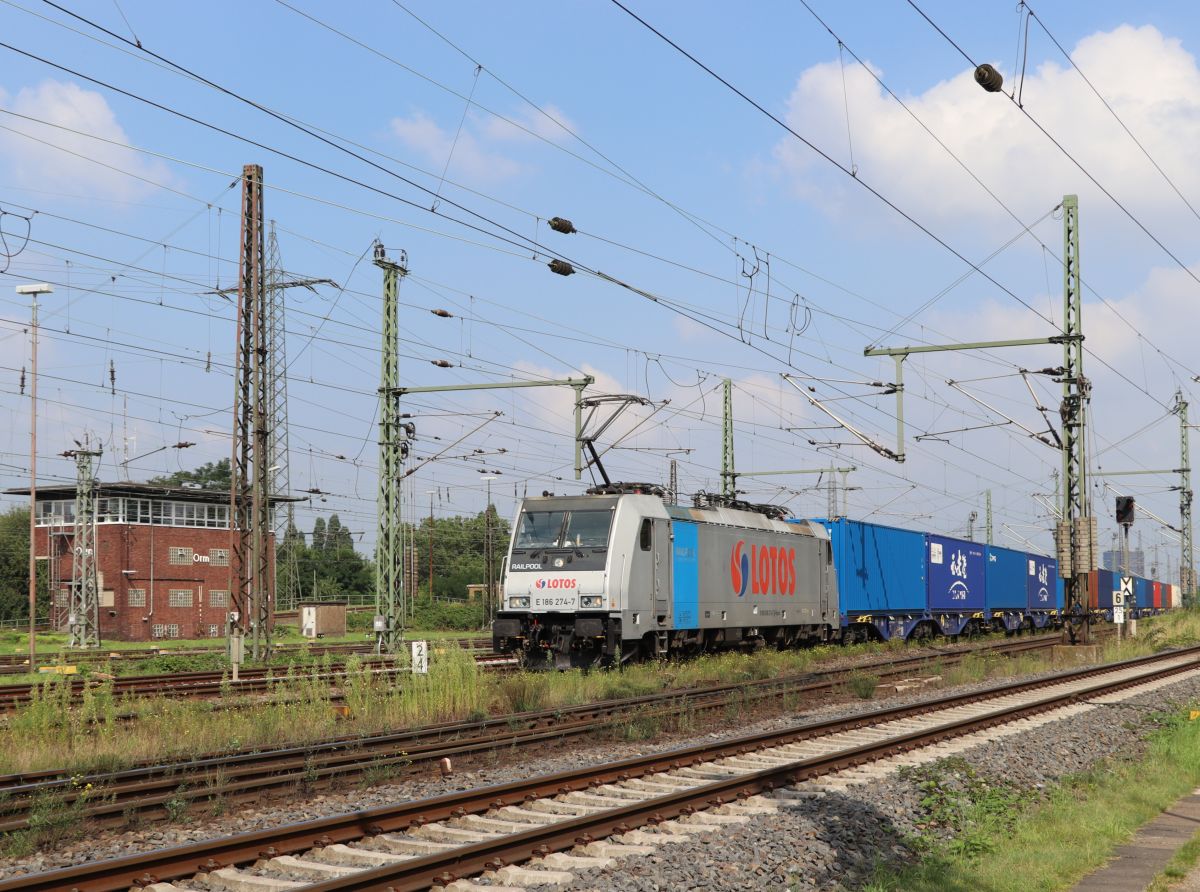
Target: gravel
{"type": "Point", "coordinates": [835, 842]}
{"type": "Point", "coordinates": [818, 844]}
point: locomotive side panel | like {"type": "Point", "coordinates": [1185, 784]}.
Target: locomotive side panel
{"type": "Point", "coordinates": [751, 578]}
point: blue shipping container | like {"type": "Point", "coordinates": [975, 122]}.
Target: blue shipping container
{"type": "Point", "coordinates": [955, 571]}
{"type": "Point", "coordinates": [880, 569]}
{"type": "Point", "coordinates": [1042, 584]}
{"type": "Point", "coordinates": [1106, 582]}
{"type": "Point", "coordinates": [1005, 578]}
{"type": "Point", "coordinates": [1144, 591]}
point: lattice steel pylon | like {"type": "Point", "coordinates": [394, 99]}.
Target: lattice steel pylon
{"type": "Point", "coordinates": [393, 448]}
{"type": "Point", "coordinates": [83, 619]}
{"type": "Point", "coordinates": [728, 480]}
{"type": "Point", "coordinates": [1187, 572]}
{"type": "Point", "coordinates": [1076, 532]}
{"type": "Point", "coordinates": [287, 571]}
{"type": "Point", "coordinates": [250, 489]}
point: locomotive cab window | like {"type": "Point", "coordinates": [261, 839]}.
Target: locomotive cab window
{"type": "Point", "coordinates": [647, 534]}
{"type": "Point", "coordinates": [563, 529]}
{"type": "Point", "coordinates": [540, 529]}
{"type": "Point", "coordinates": [588, 529]}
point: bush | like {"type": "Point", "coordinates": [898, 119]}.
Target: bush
{"type": "Point", "coordinates": [441, 615]}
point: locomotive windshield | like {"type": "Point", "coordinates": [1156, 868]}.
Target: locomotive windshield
{"type": "Point", "coordinates": [563, 529]}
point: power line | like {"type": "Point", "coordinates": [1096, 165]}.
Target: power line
{"type": "Point", "coordinates": [1128, 213]}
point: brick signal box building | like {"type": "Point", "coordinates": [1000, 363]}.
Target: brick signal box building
{"type": "Point", "coordinates": [163, 557]}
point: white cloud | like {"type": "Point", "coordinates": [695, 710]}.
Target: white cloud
{"type": "Point", "coordinates": [471, 159]}
{"type": "Point", "coordinates": [553, 125]}
{"type": "Point", "coordinates": [1147, 77]}
{"type": "Point", "coordinates": [31, 163]}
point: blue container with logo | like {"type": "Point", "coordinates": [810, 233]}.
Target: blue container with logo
{"type": "Point", "coordinates": [955, 574]}
{"type": "Point", "coordinates": [879, 569]}
{"type": "Point", "coordinates": [1005, 578]}
{"type": "Point", "coordinates": [1043, 588]}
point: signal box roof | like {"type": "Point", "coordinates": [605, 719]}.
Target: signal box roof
{"type": "Point", "coordinates": [127, 489]}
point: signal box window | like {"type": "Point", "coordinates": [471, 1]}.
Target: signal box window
{"type": "Point", "coordinates": [647, 534]}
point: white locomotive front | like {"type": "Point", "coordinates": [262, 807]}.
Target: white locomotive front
{"type": "Point", "coordinates": [616, 575]}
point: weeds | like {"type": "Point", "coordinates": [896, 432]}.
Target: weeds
{"type": "Point", "coordinates": [862, 684]}
{"type": "Point", "coordinates": [48, 733]}
{"type": "Point", "coordinates": [54, 819]}
{"type": "Point", "coordinates": [176, 807]}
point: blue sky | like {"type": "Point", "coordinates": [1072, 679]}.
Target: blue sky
{"type": "Point", "coordinates": [676, 186]}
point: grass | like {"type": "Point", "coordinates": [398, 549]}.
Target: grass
{"type": "Point", "coordinates": [48, 735]}
{"type": "Point", "coordinates": [1006, 841]}
{"type": "Point", "coordinates": [1180, 865]}
{"type": "Point", "coordinates": [863, 684]}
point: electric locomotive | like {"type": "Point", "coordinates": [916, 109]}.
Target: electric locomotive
{"type": "Point", "coordinates": [618, 574]}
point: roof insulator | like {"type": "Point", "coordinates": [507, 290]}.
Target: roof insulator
{"type": "Point", "coordinates": [562, 224]}
{"type": "Point", "coordinates": [561, 267]}
{"type": "Point", "coordinates": [442, 364]}
{"type": "Point", "coordinates": [989, 78]}
{"type": "Point", "coordinates": [445, 314]}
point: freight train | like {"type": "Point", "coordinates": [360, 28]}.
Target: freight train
{"type": "Point", "coordinates": [619, 574]}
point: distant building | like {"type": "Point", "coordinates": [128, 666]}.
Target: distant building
{"type": "Point", "coordinates": [1113, 560]}
{"type": "Point", "coordinates": [163, 558]}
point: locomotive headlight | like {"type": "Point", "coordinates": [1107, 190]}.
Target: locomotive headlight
{"type": "Point", "coordinates": [558, 562]}
{"type": "Point", "coordinates": [518, 603]}
{"type": "Point", "coordinates": [586, 601]}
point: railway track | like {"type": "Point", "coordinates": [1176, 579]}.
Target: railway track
{"type": "Point", "coordinates": [13, 663]}
{"type": "Point", "coordinates": [206, 685]}
{"type": "Point", "coordinates": [249, 776]}
{"type": "Point", "coordinates": [436, 842]}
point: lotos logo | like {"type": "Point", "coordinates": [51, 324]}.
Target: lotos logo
{"type": "Point", "coordinates": [766, 570]}
{"type": "Point", "coordinates": [556, 582]}
{"type": "Point", "coordinates": [739, 568]}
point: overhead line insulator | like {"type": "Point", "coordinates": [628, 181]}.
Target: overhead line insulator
{"type": "Point", "coordinates": [445, 314]}
{"type": "Point", "coordinates": [562, 224]}
{"type": "Point", "coordinates": [561, 267]}
{"type": "Point", "coordinates": [442, 364]}
{"type": "Point", "coordinates": [989, 78]}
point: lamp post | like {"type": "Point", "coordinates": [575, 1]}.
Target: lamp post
{"type": "Point", "coordinates": [33, 291]}
{"type": "Point", "coordinates": [431, 493]}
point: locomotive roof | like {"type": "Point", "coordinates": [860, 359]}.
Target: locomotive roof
{"type": "Point", "coordinates": [720, 515]}
{"type": "Point", "coordinates": [748, 519]}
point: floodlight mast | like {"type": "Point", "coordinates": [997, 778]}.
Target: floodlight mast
{"type": "Point", "coordinates": [33, 291]}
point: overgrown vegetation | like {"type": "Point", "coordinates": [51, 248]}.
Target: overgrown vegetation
{"type": "Point", "coordinates": [92, 738]}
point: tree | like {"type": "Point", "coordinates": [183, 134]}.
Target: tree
{"type": "Point", "coordinates": [14, 568]}
{"type": "Point", "coordinates": [330, 568]}
{"type": "Point", "coordinates": [212, 475]}
{"type": "Point", "coordinates": [459, 544]}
